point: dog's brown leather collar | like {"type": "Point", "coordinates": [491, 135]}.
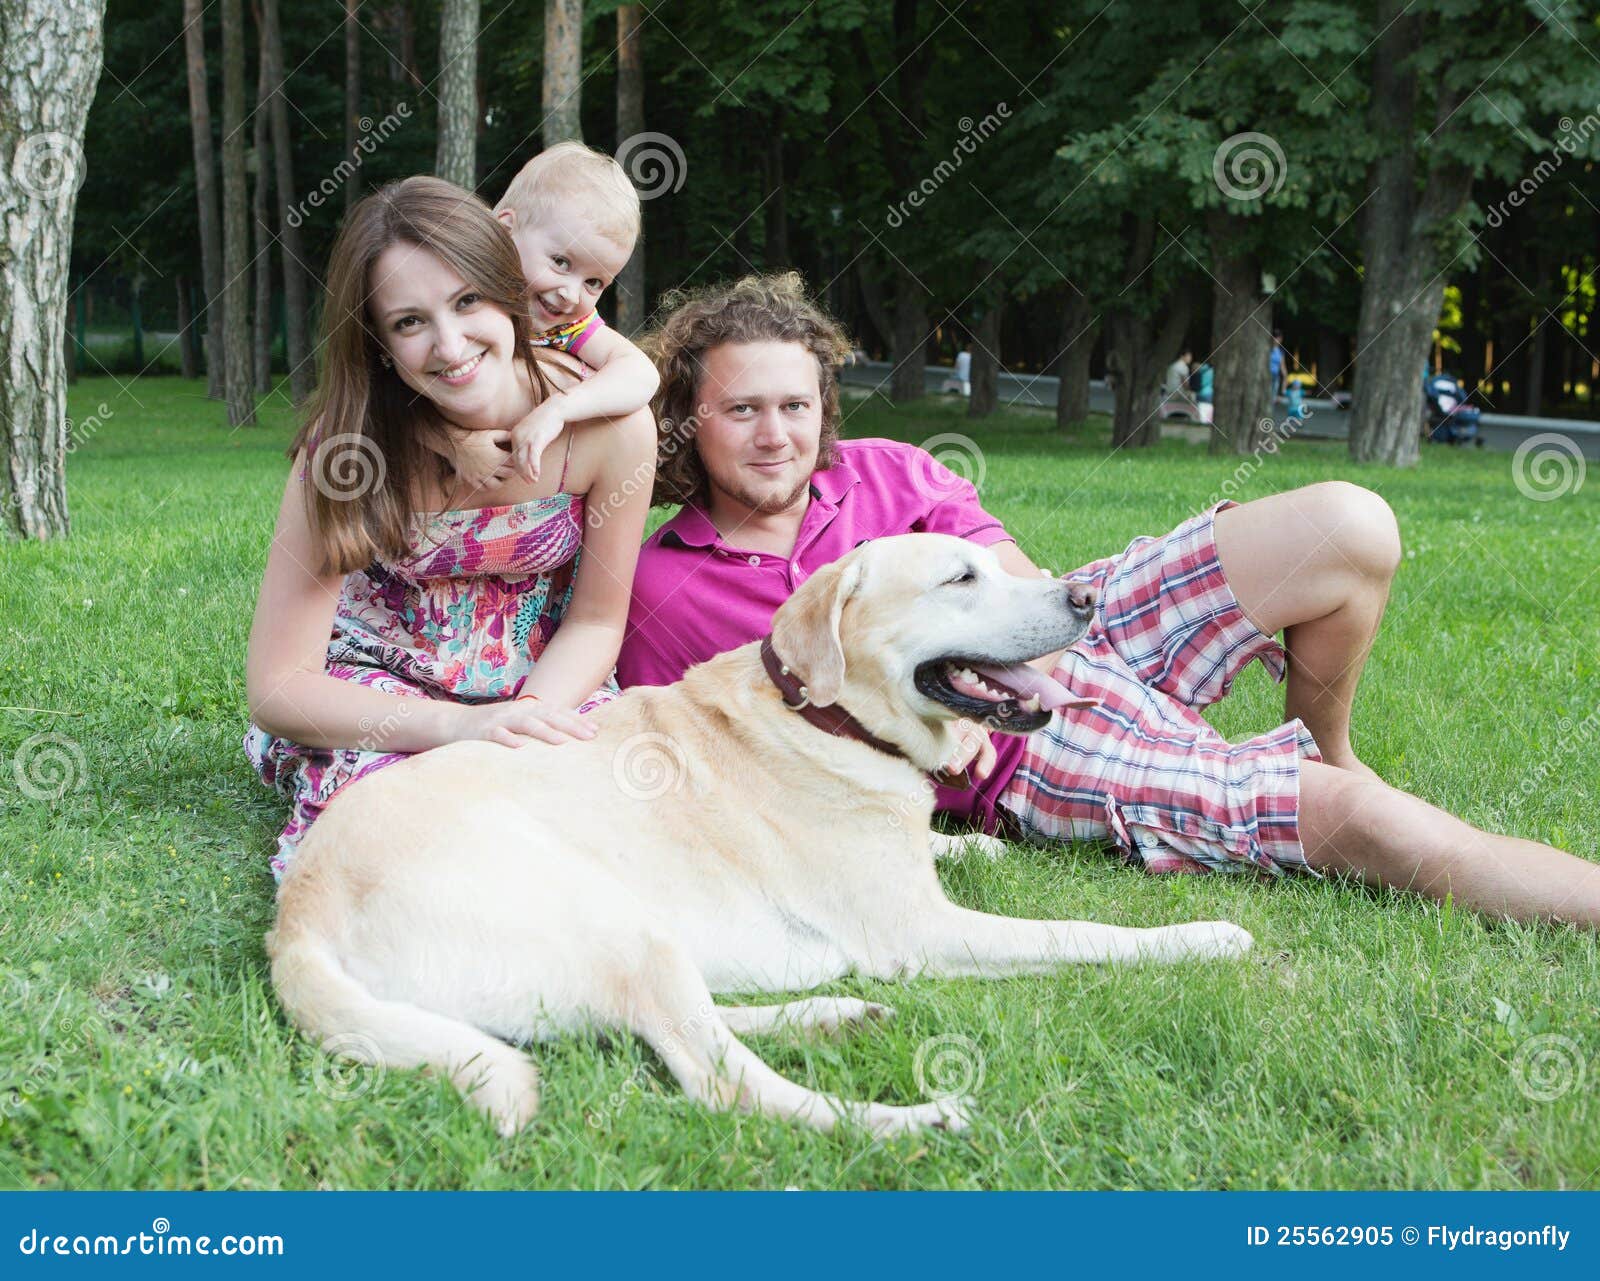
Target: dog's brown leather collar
{"type": "Point", "coordinates": [835, 720]}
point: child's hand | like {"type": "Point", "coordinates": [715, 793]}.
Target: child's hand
{"type": "Point", "coordinates": [532, 436]}
{"type": "Point", "coordinates": [482, 459]}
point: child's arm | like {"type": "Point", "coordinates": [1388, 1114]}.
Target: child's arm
{"type": "Point", "coordinates": [623, 382]}
{"type": "Point", "coordinates": [480, 459]}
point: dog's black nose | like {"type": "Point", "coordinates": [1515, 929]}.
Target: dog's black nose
{"type": "Point", "coordinates": [1082, 597]}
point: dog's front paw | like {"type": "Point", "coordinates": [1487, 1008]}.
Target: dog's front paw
{"type": "Point", "coordinates": [507, 1093]}
{"type": "Point", "coordinates": [952, 1115]}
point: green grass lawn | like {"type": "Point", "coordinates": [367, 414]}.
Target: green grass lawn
{"type": "Point", "coordinates": [1371, 1040]}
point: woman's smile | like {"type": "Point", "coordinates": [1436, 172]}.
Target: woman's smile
{"type": "Point", "coordinates": [461, 373]}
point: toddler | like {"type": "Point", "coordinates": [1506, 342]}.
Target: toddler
{"type": "Point", "coordinates": [574, 217]}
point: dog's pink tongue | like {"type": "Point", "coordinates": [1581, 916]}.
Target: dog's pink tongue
{"type": "Point", "coordinates": [1028, 681]}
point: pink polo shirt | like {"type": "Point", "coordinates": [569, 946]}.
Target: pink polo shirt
{"type": "Point", "coordinates": [696, 596]}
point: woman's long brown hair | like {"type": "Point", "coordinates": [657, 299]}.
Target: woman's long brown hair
{"type": "Point", "coordinates": [366, 434]}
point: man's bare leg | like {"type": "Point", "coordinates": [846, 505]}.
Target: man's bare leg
{"type": "Point", "coordinates": [1353, 823]}
{"type": "Point", "coordinates": [1316, 564]}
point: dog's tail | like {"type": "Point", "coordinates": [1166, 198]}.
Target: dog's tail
{"type": "Point", "coordinates": [330, 1006]}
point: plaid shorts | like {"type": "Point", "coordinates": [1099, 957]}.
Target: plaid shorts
{"type": "Point", "coordinates": [1144, 770]}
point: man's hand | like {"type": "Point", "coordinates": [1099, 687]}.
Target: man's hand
{"type": "Point", "coordinates": [532, 436]}
{"type": "Point", "coordinates": [482, 459]}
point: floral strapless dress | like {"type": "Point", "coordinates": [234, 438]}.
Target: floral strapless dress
{"type": "Point", "coordinates": [465, 617]}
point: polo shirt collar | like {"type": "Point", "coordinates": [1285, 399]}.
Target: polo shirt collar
{"type": "Point", "coordinates": [691, 527]}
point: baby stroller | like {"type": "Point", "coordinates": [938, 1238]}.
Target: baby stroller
{"type": "Point", "coordinates": [1449, 418]}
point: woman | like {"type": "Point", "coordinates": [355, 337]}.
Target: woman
{"type": "Point", "coordinates": [400, 611]}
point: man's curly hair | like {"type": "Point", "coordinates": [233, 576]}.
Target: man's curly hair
{"type": "Point", "coordinates": [773, 308]}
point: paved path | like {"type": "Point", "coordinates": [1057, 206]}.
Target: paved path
{"type": "Point", "coordinates": [1502, 432]}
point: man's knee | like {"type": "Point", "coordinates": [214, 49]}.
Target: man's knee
{"type": "Point", "coordinates": [1360, 523]}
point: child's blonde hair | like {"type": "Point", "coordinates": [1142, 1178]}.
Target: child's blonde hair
{"type": "Point", "coordinates": [569, 173]}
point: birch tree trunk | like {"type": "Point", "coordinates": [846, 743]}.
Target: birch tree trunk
{"type": "Point", "coordinates": [630, 122]}
{"type": "Point", "coordinates": [50, 56]}
{"type": "Point", "coordinates": [238, 383]}
{"type": "Point", "coordinates": [456, 154]}
{"type": "Point", "coordinates": [563, 71]}
{"type": "Point", "coordinates": [302, 360]}
{"type": "Point", "coordinates": [205, 187]}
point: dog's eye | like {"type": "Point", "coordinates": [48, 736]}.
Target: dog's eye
{"type": "Point", "coordinates": [965, 576]}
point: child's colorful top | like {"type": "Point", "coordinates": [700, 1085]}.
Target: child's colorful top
{"type": "Point", "coordinates": [464, 617]}
{"type": "Point", "coordinates": [571, 336]}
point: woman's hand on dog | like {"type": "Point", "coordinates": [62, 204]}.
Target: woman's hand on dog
{"type": "Point", "coordinates": [520, 722]}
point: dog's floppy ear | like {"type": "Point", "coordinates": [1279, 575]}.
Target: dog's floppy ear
{"type": "Point", "coordinates": [805, 631]}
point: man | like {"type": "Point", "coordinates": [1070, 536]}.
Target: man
{"type": "Point", "coordinates": [1177, 383]}
{"type": "Point", "coordinates": [1277, 364]}
{"type": "Point", "coordinates": [749, 410]}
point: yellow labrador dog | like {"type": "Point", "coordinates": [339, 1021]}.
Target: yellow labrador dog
{"type": "Point", "coordinates": [720, 834]}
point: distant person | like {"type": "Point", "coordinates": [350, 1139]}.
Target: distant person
{"type": "Point", "coordinates": [961, 379]}
{"type": "Point", "coordinates": [1178, 374]}
{"type": "Point", "coordinates": [1277, 363]}
{"type": "Point", "coordinates": [1202, 387]}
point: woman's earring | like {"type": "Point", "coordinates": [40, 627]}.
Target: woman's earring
{"type": "Point", "coordinates": [383, 359]}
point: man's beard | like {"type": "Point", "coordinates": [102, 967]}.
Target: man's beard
{"type": "Point", "coordinates": [764, 506]}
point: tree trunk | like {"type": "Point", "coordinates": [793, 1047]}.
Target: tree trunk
{"type": "Point", "coordinates": [563, 71]}
{"type": "Point", "coordinates": [261, 335]}
{"type": "Point", "coordinates": [630, 122]}
{"type": "Point", "coordinates": [1241, 345]}
{"type": "Point", "coordinates": [908, 338]}
{"type": "Point", "coordinates": [237, 377]}
{"type": "Point", "coordinates": [1079, 329]}
{"type": "Point", "coordinates": [456, 156]}
{"type": "Point", "coordinates": [985, 398]}
{"type": "Point", "coordinates": [1143, 347]}
{"type": "Point", "coordinates": [50, 53]}
{"type": "Point", "coordinates": [302, 360]}
{"type": "Point", "coordinates": [871, 290]}
{"type": "Point", "coordinates": [1533, 400]}
{"type": "Point", "coordinates": [352, 93]}
{"type": "Point", "coordinates": [1403, 285]}
{"type": "Point", "coordinates": [188, 357]}
{"type": "Point", "coordinates": [205, 187]}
